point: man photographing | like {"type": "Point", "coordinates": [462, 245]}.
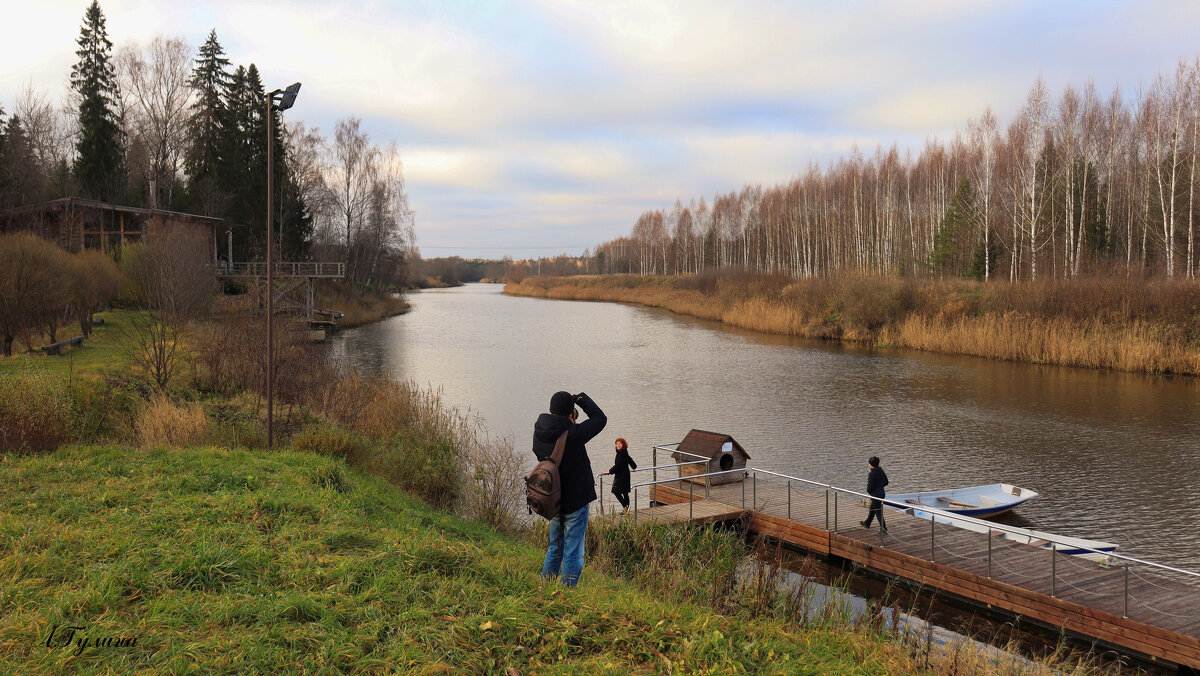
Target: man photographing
{"type": "Point", "coordinates": [567, 530]}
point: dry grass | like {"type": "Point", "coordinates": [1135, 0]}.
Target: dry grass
{"type": "Point", "coordinates": [360, 307]}
{"type": "Point", "coordinates": [1138, 325]}
{"type": "Point", "coordinates": [37, 413]}
{"type": "Point", "coordinates": [162, 422]}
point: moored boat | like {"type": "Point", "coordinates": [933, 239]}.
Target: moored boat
{"type": "Point", "coordinates": [982, 502]}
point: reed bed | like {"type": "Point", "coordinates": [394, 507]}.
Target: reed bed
{"type": "Point", "coordinates": [1136, 325]}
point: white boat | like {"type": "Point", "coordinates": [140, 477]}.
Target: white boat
{"type": "Point", "coordinates": [1094, 550]}
{"type": "Point", "coordinates": [982, 502]}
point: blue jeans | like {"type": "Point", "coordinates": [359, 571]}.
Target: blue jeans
{"type": "Point", "coordinates": [566, 546]}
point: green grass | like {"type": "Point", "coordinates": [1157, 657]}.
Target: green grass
{"type": "Point", "coordinates": [241, 562]}
{"type": "Point", "coordinates": [106, 351]}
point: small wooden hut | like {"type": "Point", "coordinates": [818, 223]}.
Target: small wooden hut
{"type": "Point", "coordinates": [722, 451]}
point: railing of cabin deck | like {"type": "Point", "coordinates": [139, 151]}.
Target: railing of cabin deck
{"type": "Point", "coordinates": [282, 269]}
{"type": "Point", "coordinates": [838, 495]}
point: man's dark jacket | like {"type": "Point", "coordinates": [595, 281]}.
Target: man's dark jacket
{"type": "Point", "coordinates": [575, 471]}
{"type": "Point", "coordinates": [876, 480]}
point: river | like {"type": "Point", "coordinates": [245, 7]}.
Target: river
{"type": "Point", "coordinates": [1112, 454]}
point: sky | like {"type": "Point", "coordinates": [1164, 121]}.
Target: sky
{"type": "Point", "coordinates": [548, 126]}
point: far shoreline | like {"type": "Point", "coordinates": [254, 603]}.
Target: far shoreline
{"type": "Point", "coordinates": [1089, 323]}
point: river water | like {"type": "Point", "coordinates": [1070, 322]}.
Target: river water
{"type": "Point", "coordinates": [1112, 454]}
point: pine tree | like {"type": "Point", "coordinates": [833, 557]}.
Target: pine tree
{"type": "Point", "coordinates": [212, 82]}
{"type": "Point", "coordinates": [294, 222]}
{"type": "Point", "coordinates": [951, 247]}
{"type": "Point", "coordinates": [99, 166]}
{"type": "Point", "coordinates": [244, 161]}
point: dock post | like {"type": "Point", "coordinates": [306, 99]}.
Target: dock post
{"type": "Point", "coordinates": [989, 537]}
{"type": "Point", "coordinates": [1125, 604]}
{"type": "Point", "coordinates": [835, 501]}
{"type": "Point", "coordinates": [691, 500]}
{"type": "Point", "coordinates": [932, 552]}
{"type": "Point", "coordinates": [789, 499]}
{"type": "Point", "coordinates": [826, 509]}
{"type": "Point", "coordinates": [1053, 571]}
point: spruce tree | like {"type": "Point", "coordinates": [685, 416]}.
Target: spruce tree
{"type": "Point", "coordinates": [951, 254]}
{"type": "Point", "coordinates": [212, 82]}
{"type": "Point", "coordinates": [99, 166]}
{"type": "Point", "coordinates": [244, 161]}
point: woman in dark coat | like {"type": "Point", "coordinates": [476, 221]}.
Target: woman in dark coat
{"type": "Point", "coordinates": [620, 473]}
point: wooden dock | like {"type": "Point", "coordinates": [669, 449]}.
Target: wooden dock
{"type": "Point", "coordinates": [698, 512]}
{"type": "Point", "coordinates": [1137, 611]}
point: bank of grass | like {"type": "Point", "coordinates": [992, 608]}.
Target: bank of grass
{"type": "Point", "coordinates": [106, 351]}
{"type": "Point", "coordinates": [1138, 325]}
{"type": "Point", "coordinates": [359, 306]}
{"type": "Point", "coordinates": [252, 562]}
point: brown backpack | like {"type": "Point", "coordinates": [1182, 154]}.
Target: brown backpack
{"type": "Point", "coordinates": [543, 489]}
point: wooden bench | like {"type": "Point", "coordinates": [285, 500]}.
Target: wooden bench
{"type": "Point", "coordinates": [56, 348]}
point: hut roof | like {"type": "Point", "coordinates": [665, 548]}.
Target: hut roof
{"type": "Point", "coordinates": [708, 444]}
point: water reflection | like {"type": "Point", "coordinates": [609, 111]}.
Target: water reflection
{"type": "Point", "coordinates": [1111, 453]}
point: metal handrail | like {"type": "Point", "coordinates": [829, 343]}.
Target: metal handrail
{"type": "Point", "coordinates": [990, 524]}
{"type": "Point", "coordinates": [647, 469]}
{"type": "Point", "coordinates": [689, 477]}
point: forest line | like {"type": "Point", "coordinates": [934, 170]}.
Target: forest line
{"type": "Point", "coordinates": [1074, 185]}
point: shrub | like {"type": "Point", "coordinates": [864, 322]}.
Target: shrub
{"type": "Point", "coordinates": [162, 422]}
{"type": "Point", "coordinates": [494, 494]}
{"type": "Point", "coordinates": [37, 413]}
{"type": "Point", "coordinates": [328, 439]}
{"type": "Point", "coordinates": [232, 427]}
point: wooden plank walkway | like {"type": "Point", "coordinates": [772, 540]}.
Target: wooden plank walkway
{"type": "Point", "coordinates": [701, 512]}
{"type": "Point", "coordinates": [1158, 618]}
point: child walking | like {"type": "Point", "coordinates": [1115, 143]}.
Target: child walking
{"type": "Point", "coordinates": [620, 473]}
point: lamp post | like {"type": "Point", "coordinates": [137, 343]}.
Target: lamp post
{"type": "Point", "coordinates": [286, 97]}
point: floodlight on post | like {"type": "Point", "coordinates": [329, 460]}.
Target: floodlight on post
{"type": "Point", "coordinates": [287, 97]}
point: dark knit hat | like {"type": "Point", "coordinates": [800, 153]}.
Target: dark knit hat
{"type": "Point", "coordinates": [562, 403]}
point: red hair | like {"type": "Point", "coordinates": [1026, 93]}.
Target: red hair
{"type": "Point", "coordinates": [624, 444]}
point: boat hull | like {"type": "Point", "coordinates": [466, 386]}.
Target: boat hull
{"type": "Point", "coordinates": [981, 502]}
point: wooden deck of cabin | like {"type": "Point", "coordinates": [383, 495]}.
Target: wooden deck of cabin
{"type": "Point", "coordinates": [1159, 617]}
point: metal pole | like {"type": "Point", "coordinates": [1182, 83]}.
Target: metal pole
{"type": "Point", "coordinates": [691, 500]}
{"type": "Point", "coordinates": [1053, 571]}
{"type": "Point", "coordinates": [270, 276]}
{"type": "Point", "coordinates": [754, 492]}
{"type": "Point", "coordinates": [789, 499]}
{"type": "Point", "coordinates": [932, 553]}
{"type": "Point", "coordinates": [989, 537]}
{"type": "Point", "coordinates": [826, 509]}
{"type": "Point", "coordinates": [707, 483]}
{"type": "Point", "coordinates": [654, 462]}
{"type": "Point", "coordinates": [835, 514]}
{"type": "Point", "coordinates": [1125, 605]}
{"type": "Point", "coordinates": [635, 504]}
{"type": "Point", "coordinates": [601, 494]}
{"type": "Point", "coordinates": [743, 490]}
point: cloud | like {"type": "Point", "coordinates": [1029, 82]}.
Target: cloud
{"type": "Point", "coordinates": [936, 110]}
{"type": "Point", "coordinates": [555, 122]}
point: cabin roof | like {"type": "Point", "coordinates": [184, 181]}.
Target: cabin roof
{"type": "Point", "coordinates": [707, 444]}
{"type": "Point", "coordinates": [81, 203]}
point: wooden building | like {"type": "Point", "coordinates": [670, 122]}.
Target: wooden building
{"type": "Point", "coordinates": [76, 224]}
{"type": "Point", "coordinates": [722, 452]}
